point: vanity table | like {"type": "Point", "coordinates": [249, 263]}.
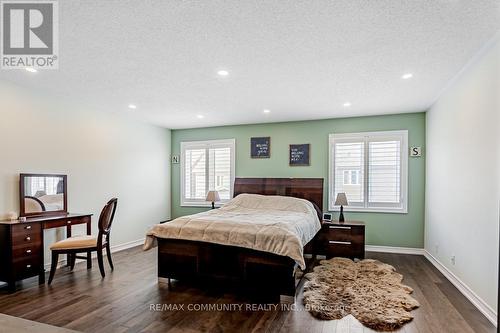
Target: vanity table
{"type": "Point", "coordinates": [21, 245]}
{"type": "Point", "coordinates": [43, 203]}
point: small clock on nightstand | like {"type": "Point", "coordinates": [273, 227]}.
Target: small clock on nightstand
{"type": "Point", "coordinates": [341, 239]}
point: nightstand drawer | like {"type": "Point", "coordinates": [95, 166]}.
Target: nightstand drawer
{"type": "Point", "coordinates": [344, 249]}
{"type": "Point", "coordinates": [339, 233]}
{"type": "Point", "coordinates": [341, 240]}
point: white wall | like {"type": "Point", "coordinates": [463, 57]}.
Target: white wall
{"type": "Point", "coordinates": [105, 155]}
{"type": "Point", "coordinates": [463, 176]}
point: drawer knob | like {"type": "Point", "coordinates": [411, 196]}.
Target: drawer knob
{"type": "Point", "coordinates": [28, 266]}
{"type": "Point", "coordinates": [28, 251]}
{"type": "Point", "coordinates": [27, 227]}
{"type": "Point", "coordinates": [69, 222]}
{"type": "Point", "coordinates": [339, 242]}
{"type": "Point", "coordinates": [28, 238]}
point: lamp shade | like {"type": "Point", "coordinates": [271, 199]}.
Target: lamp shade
{"type": "Point", "coordinates": [341, 200]}
{"type": "Point", "coordinates": [212, 196]}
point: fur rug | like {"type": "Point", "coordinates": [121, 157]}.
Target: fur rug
{"type": "Point", "coordinates": [369, 290]}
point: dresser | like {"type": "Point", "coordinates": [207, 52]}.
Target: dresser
{"type": "Point", "coordinates": [346, 239]}
{"type": "Point", "coordinates": [22, 248]}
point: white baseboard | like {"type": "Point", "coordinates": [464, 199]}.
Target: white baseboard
{"type": "Point", "coordinates": [392, 249]}
{"type": "Point", "coordinates": [477, 301]}
{"type": "Point", "coordinates": [128, 245]}
{"type": "Point", "coordinates": [114, 248]}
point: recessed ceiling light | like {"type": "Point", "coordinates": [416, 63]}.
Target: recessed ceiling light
{"type": "Point", "coordinates": [222, 72]}
{"type": "Point", "coordinates": [266, 110]}
{"type": "Point", "coordinates": [132, 106]}
{"type": "Point", "coordinates": [347, 104]}
{"type": "Point", "coordinates": [31, 69]}
{"type": "Point", "coordinates": [200, 116]}
{"type": "Point", "coordinates": [407, 76]}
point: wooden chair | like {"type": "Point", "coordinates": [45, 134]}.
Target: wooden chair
{"type": "Point", "coordinates": [83, 244]}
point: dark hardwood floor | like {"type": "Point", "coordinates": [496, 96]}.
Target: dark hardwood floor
{"type": "Point", "coordinates": [122, 302]}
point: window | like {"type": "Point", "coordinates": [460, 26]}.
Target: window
{"type": "Point", "coordinates": [371, 168]}
{"type": "Point", "coordinates": [206, 166]}
{"type": "Point", "coordinates": [41, 186]}
{"type": "Point", "coordinates": [351, 177]}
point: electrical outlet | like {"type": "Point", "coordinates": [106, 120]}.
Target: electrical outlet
{"type": "Point", "coordinates": [453, 261]}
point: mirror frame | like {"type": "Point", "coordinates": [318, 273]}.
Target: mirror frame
{"type": "Point", "coordinates": [23, 176]}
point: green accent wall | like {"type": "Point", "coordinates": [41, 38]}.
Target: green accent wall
{"type": "Point", "coordinates": [385, 229]}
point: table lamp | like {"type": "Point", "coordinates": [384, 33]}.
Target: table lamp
{"type": "Point", "coordinates": [342, 201]}
{"type": "Point", "coordinates": [213, 196]}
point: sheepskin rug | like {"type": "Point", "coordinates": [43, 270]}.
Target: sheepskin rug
{"type": "Point", "coordinates": [369, 290]}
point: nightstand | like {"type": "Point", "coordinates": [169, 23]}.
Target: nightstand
{"type": "Point", "coordinates": [346, 239]}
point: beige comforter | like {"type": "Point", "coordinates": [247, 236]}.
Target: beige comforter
{"type": "Point", "coordinates": [276, 224]}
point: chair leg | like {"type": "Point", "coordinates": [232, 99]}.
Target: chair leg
{"type": "Point", "coordinates": [100, 262]}
{"type": "Point", "coordinates": [108, 253]}
{"type": "Point", "coordinates": [89, 260]}
{"type": "Point", "coordinates": [55, 259]}
{"type": "Point", "coordinates": [72, 261]}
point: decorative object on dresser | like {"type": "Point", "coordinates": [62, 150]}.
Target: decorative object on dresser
{"type": "Point", "coordinates": [86, 244]}
{"type": "Point", "coordinates": [300, 155]}
{"type": "Point", "coordinates": [346, 239]}
{"type": "Point", "coordinates": [213, 197]}
{"type": "Point", "coordinates": [260, 147]}
{"type": "Point", "coordinates": [341, 201]}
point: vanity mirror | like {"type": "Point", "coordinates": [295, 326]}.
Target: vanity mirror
{"type": "Point", "coordinates": [42, 194]}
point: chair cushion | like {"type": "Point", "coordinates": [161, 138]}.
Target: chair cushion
{"type": "Point", "coordinates": [75, 242]}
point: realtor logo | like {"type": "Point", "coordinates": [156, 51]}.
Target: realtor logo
{"type": "Point", "coordinates": [29, 34]}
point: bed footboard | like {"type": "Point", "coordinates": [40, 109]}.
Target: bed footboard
{"type": "Point", "coordinates": [249, 270]}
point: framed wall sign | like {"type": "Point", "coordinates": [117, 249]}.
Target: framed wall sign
{"type": "Point", "coordinates": [299, 155]}
{"type": "Point", "coordinates": [260, 147]}
{"type": "Point", "coordinates": [416, 151]}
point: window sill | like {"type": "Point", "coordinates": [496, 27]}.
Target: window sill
{"type": "Point", "coordinates": [201, 204]}
{"type": "Point", "coordinates": [370, 210]}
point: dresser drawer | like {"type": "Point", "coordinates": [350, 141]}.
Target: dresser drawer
{"type": "Point", "coordinates": [26, 250]}
{"type": "Point", "coordinates": [26, 267]}
{"type": "Point", "coordinates": [69, 222]}
{"type": "Point", "coordinates": [26, 234]}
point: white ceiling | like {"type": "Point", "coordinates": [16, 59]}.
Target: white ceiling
{"type": "Point", "coordinates": [300, 59]}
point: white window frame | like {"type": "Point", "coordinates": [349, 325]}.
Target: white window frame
{"type": "Point", "coordinates": [207, 144]}
{"type": "Point", "coordinates": [367, 137]}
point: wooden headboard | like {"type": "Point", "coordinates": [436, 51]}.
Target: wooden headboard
{"type": "Point", "coordinates": [305, 188]}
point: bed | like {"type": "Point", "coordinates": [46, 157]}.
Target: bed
{"type": "Point", "coordinates": [256, 241]}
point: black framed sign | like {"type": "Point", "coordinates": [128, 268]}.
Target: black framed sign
{"type": "Point", "coordinates": [300, 155]}
{"type": "Point", "coordinates": [260, 147]}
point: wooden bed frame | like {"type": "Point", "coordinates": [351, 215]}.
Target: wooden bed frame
{"type": "Point", "coordinates": [251, 270]}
